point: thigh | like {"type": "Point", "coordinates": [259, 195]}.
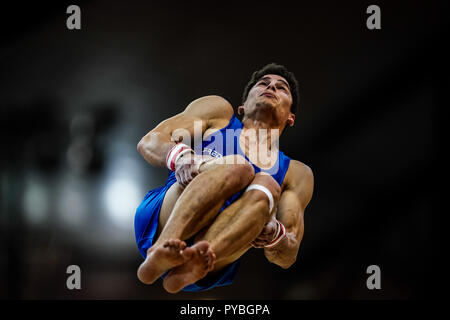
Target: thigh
{"type": "Point", "coordinates": [175, 191]}
{"type": "Point", "coordinates": [171, 197]}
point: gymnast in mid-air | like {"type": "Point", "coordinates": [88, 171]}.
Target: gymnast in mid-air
{"type": "Point", "coordinates": [233, 191]}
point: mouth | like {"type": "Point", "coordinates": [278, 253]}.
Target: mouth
{"type": "Point", "coordinates": [269, 95]}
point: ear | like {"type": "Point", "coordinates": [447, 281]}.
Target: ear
{"type": "Point", "coordinates": [291, 119]}
{"type": "Point", "coordinates": [240, 110]}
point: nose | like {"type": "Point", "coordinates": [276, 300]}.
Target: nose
{"type": "Point", "coordinates": [271, 85]}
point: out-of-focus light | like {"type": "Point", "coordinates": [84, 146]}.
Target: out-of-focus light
{"type": "Point", "coordinates": [79, 155]}
{"type": "Point", "coordinates": [121, 198]}
{"type": "Point", "coordinates": [72, 205]}
{"type": "Point", "coordinates": [35, 202]}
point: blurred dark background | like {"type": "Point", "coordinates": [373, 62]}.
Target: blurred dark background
{"type": "Point", "coordinates": [74, 104]}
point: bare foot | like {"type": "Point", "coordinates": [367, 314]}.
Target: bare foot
{"type": "Point", "coordinates": [162, 258]}
{"type": "Point", "coordinates": [201, 262]}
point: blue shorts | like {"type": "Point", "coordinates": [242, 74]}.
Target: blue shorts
{"type": "Point", "coordinates": [146, 223]}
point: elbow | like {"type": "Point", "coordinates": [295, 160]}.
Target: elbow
{"type": "Point", "coordinates": [144, 146]}
{"type": "Point", "coordinates": [147, 148]}
{"type": "Point", "coordinates": [141, 146]}
{"type": "Point", "coordinates": [284, 263]}
{"type": "Point", "coordinates": [287, 264]}
{"type": "Point", "coordinates": [149, 143]}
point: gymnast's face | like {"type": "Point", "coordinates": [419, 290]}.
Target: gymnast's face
{"type": "Point", "coordinates": [271, 94]}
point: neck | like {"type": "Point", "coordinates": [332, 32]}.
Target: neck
{"type": "Point", "coordinates": [263, 128]}
{"type": "Point", "coordinates": [259, 141]}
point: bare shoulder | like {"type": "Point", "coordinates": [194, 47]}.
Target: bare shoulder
{"type": "Point", "coordinates": [210, 107]}
{"type": "Point", "coordinates": [298, 172]}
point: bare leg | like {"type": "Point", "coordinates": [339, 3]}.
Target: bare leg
{"type": "Point", "coordinates": [231, 232]}
{"type": "Point", "coordinates": [238, 225]}
{"type": "Point", "coordinates": [197, 206]}
{"type": "Point", "coordinates": [204, 196]}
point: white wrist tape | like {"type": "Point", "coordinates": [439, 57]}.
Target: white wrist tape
{"type": "Point", "coordinates": [175, 153]}
{"type": "Point", "coordinates": [265, 190]}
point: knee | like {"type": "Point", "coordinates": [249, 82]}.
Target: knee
{"type": "Point", "coordinates": [270, 183]}
{"type": "Point", "coordinates": [261, 199]}
{"type": "Point", "coordinates": [239, 171]}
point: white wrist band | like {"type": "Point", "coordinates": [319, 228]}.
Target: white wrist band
{"type": "Point", "coordinates": [175, 153]}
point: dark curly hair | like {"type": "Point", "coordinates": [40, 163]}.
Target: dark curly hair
{"type": "Point", "coordinates": [273, 68]}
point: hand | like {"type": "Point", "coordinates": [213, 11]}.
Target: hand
{"type": "Point", "coordinates": [267, 234]}
{"type": "Point", "coordinates": [187, 167]}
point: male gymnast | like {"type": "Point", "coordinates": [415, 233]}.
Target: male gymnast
{"type": "Point", "coordinates": [221, 201]}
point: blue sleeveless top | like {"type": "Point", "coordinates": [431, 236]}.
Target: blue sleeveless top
{"type": "Point", "coordinates": [226, 142]}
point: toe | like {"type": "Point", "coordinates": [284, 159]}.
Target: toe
{"type": "Point", "coordinates": [211, 259]}
{"type": "Point", "coordinates": [202, 246]}
{"type": "Point", "coordinates": [188, 253]}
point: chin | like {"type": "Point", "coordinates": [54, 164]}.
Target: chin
{"type": "Point", "coordinates": [265, 104]}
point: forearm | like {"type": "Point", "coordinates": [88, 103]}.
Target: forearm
{"type": "Point", "coordinates": [284, 254]}
{"type": "Point", "coordinates": [291, 207]}
{"type": "Point", "coordinates": [154, 147]}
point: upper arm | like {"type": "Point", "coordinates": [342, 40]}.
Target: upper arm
{"type": "Point", "coordinates": [200, 113]}
{"type": "Point", "coordinates": [295, 198]}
